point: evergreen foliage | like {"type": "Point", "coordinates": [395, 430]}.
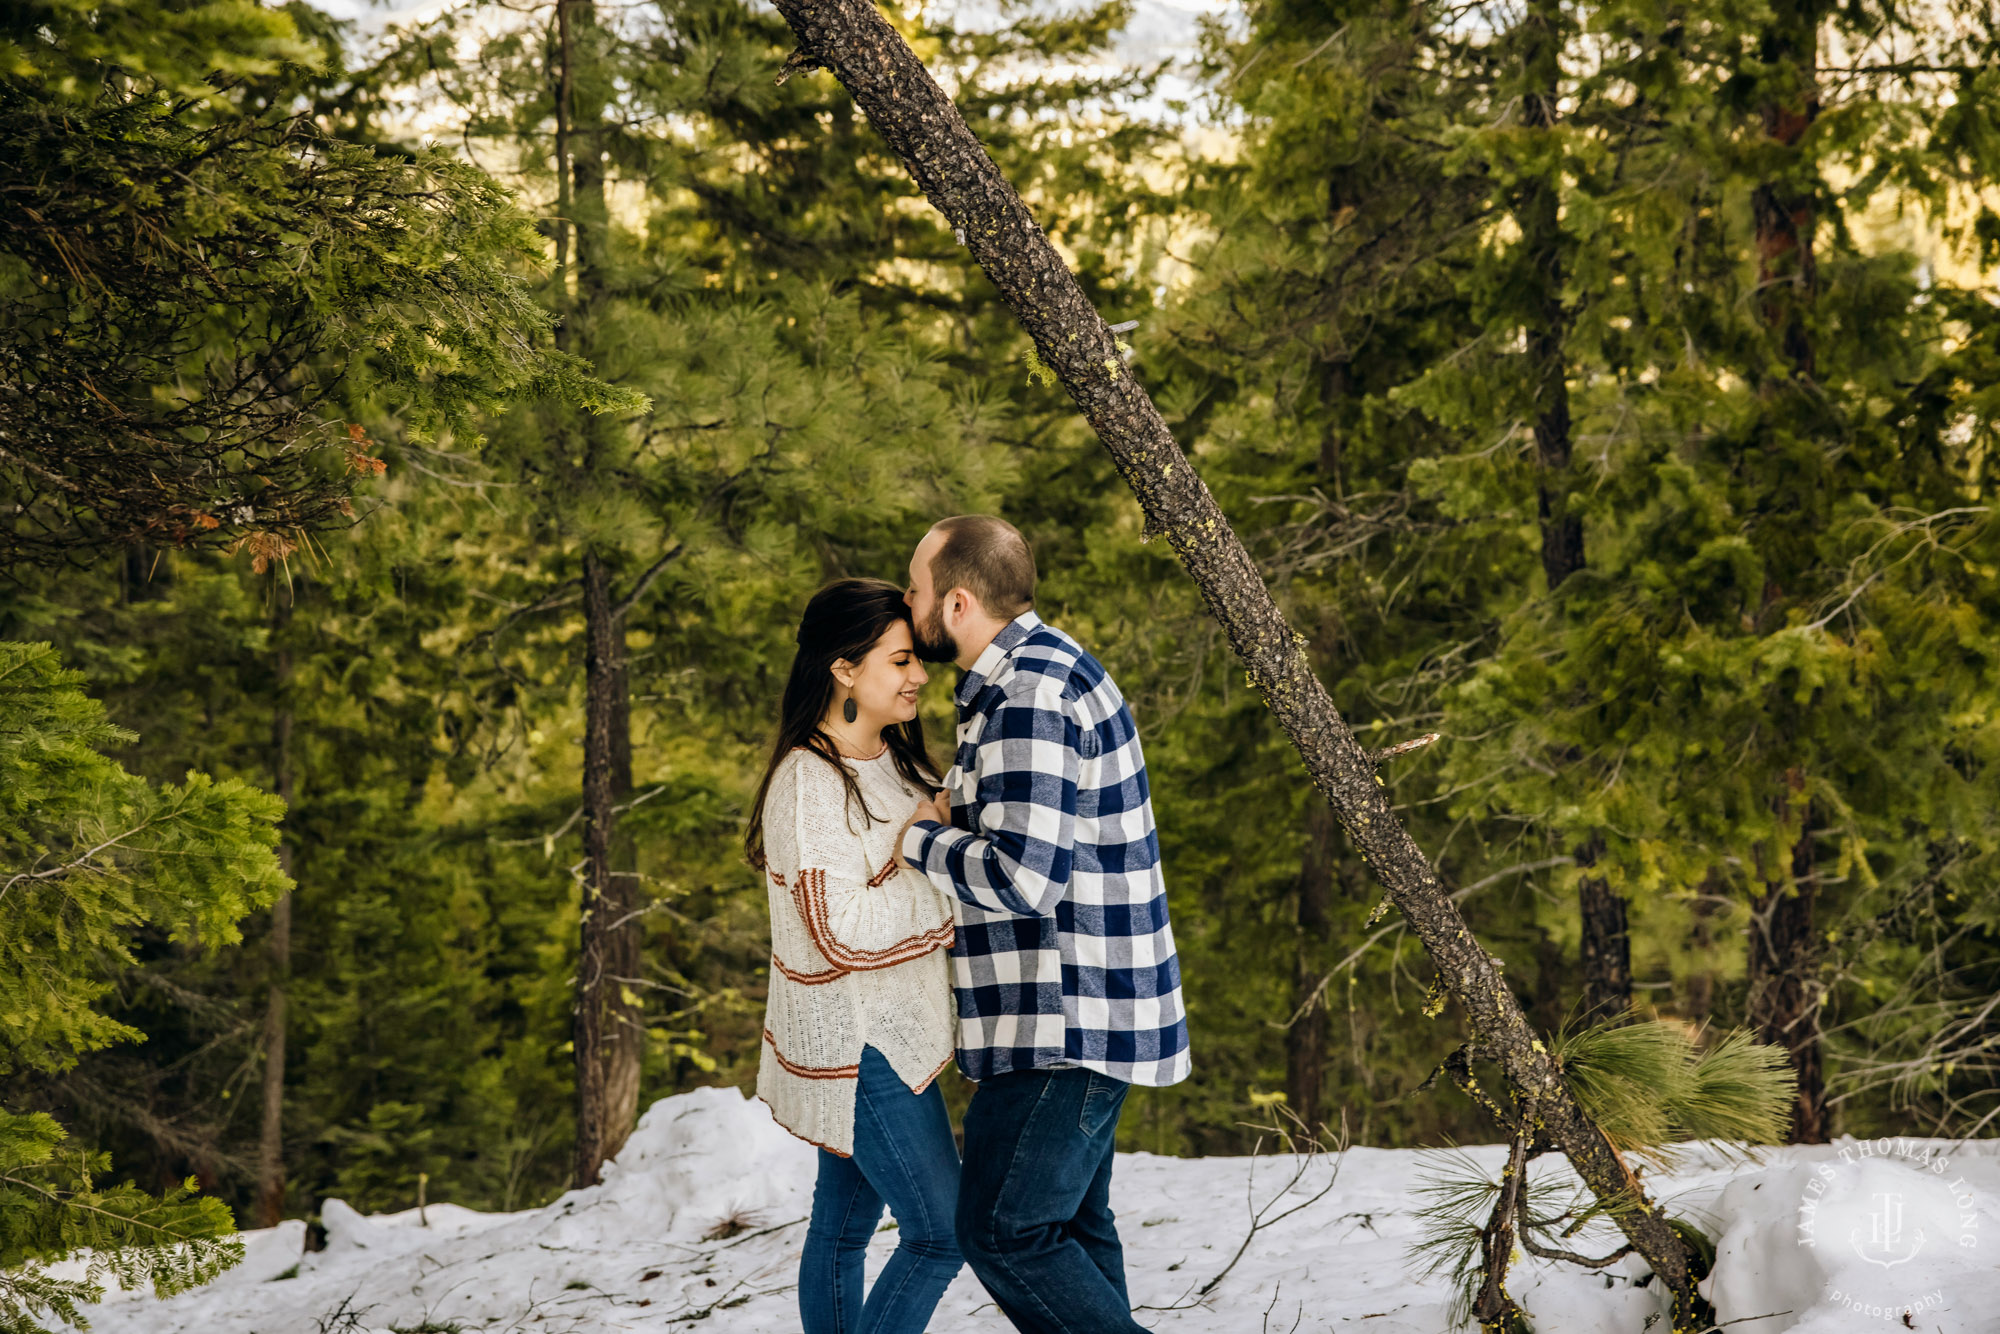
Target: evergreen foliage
{"type": "Point", "coordinates": [194, 295]}
{"type": "Point", "coordinates": [1749, 688]}
{"type": "Point", "coordinates": [91, 851]}
{"type": "Point", "coordinates": [89, 854]}
{"type": "Point", "coordinates": [1765, 702]}
{"type": "Point", "coordinates": [1648, 1085]}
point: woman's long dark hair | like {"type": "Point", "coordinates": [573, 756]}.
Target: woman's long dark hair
{"type": "Point", "coordinates": [844, 620]}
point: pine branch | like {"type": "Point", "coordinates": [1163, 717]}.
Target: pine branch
{"type": "Point", "coordinates": [645, 582]}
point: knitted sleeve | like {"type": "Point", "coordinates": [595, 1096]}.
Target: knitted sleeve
{"type": "Point", "coordinates": [859, 916]}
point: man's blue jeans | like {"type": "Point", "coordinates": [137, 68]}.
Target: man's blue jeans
{"type": "Point", "coordinates": [904, 1155]}
{"type": "Point", "coordinates": [1034, 1201]}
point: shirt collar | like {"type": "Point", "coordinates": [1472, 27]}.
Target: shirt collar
{"type": "Point", "coordinates": [995, 653]}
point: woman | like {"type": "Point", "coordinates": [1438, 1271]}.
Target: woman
{"type": "Point", "coordinates": [860, 1018]}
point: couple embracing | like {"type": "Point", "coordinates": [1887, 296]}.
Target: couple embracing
{"type": "Point", "coordinates": [1010, 908]}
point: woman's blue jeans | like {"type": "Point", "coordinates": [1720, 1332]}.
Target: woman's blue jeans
{"type": "Point", "coordinates": [903, 1156]}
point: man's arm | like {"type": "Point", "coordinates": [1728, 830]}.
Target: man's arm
{"type": "Point", "coordinates": [1025, 804]}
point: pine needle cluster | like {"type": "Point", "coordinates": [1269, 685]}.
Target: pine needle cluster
{"type": "Point", "coordinates": [1456, 1196]}
{"type": "Point", "coordinates": [1648, 1085]}
{"type": "Point", "coordinates": [1653, 1084]}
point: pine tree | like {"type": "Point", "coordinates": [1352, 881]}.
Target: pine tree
{"type": "Point", "coordinates": [90, 855]}
{"type": "Point", "coordinates": [1776, 510]}
{"type": "Point", "coordinates": [160, 230]}
{"type": "Point", "coordinates": [435, 724]}
{"type": "Point", "coordinates": [1347, 234]}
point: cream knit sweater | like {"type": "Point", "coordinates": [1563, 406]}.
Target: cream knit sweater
{"type": "Point", "coordinates": [858, 945]}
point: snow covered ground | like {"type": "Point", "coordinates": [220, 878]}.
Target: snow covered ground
{"type": "Point", "coordinates": [1814, 1240]}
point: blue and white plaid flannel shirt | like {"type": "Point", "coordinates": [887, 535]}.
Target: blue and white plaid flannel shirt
{"type": "Point", "coordinates": [1064, 956]}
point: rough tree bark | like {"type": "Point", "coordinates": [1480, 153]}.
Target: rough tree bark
{"type": "Point", "coordinates": [271, 1134]}
{"type": "Point", "coordinates": [606, 1030]}
{"type": "Point", "coordinates": [910, 111]}
{"type": "Point", "coordinates": [1784, 997]}
{"type": "Point", "coordinates": [1605, 951]}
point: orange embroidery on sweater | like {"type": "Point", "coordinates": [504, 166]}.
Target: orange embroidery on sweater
{"type": "Point", "coordinates": [809, 897]}
{"type": "Point", "coordinates": [931, 1078]}
{"type": "Point", "coordinates": [882, 876]}
{"type": "Point", "coordinates": [807, 979]}
{"type": "Point", "coordinates": [811, 1071]}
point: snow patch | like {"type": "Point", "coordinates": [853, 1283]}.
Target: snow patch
{"type": "Point", "coordinates": [642, 1251]}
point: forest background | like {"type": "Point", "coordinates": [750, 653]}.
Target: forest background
{"type": "Point", "coordinates": [1609, 389]}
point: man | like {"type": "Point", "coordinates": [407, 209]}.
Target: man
{"type": "Point", "coordinates": [1068, 987]}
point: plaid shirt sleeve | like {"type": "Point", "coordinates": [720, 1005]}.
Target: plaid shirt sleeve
{"type": "Point", "coordinates": [1024, 808]}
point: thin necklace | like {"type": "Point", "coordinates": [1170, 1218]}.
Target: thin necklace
{"type": "Point", "coordinates": [847, 754]}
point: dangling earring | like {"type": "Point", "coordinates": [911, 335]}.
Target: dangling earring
{"type": "Point", "coordinates": [847, 709]}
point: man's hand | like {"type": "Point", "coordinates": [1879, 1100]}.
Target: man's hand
{"type": "Point", "coordinates": [930, 808]}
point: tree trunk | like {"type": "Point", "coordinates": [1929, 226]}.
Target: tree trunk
{"type": "Point", "coordinates": [1605, 953]}
{"type": "Point", "coordinates": [624, 1037]}
{"type": "Point", "coordinates": [1698, 982]}
{"type": "Point", "coordinates": [912, 113]}
{"type": "Point", "coordinates": [593, 964]}
{"type": "Point", "coordinates": [1305, 1040]}
{"type": "Point", "coordinates": [607, 1029]}
{"type": "Point", "coordinates": [1787, 272]}
{"type": "Point", "coordinates": [142, 574]}
{"type": "Point", "coordinates": [271, 1136]}
{"type": "Point", "coordinates": [1783, 1009]}
{"type": "Point", "coordinates": [608, 1034]}
{"type": "Point", "coordinates": [1784, 1000]}
{"type": "Point", "coordinates": [1544, 250]}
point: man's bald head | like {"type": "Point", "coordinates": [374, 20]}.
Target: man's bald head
{"type": "Point", "coordinates": [988, 558]}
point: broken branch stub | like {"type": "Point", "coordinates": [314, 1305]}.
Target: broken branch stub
{"type": "Point", "coordinates": [909, 110]}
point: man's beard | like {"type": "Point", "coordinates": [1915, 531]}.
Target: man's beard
{"type": "Point", "coordinates": [931, 640]}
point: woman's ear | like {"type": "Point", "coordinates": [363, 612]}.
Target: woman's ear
{"type": "Point", "coordinates": [843, 672]}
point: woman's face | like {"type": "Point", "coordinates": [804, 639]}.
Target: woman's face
{"type": "Point", "coordinates": [885, 683]}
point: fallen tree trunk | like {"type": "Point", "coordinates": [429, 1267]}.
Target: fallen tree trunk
{"type": "Point", "coordinates": [852, 40]}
